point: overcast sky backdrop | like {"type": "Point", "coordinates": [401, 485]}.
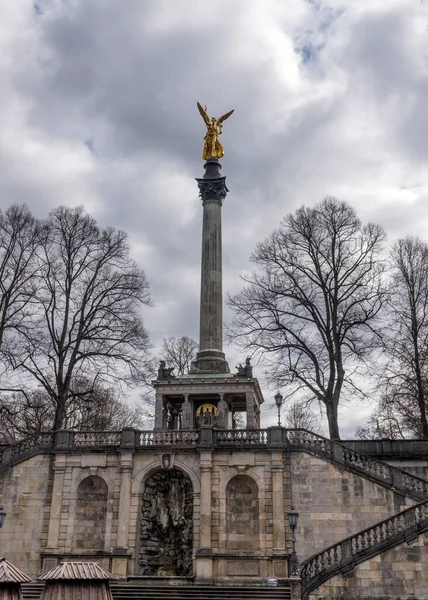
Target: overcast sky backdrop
{"type": "Point", "coordinates": [98, 107]}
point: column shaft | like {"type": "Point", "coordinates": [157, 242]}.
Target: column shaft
{"type": "Point", "coordinates": [56, 505]}
{"type": "Point", "coordinates": [126, 460]}
{"type": "Point", "coordinates": [205, 532]}
{"type": "Point", "coordinates": [249, 405]}
{"type": "Point", "coordinates": [158, 411]}
{"type": "Point", "coordinates": [278, 503]}
{"type": "Point", "coordinates": [211, 336]}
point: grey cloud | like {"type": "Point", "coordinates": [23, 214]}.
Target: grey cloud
{"type": "Point", "coordinates": [113, 86]}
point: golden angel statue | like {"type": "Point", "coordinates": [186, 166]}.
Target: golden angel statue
{"type": "Point", "coordinates": [212, 146]}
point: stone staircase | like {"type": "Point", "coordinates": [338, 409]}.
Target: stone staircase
{"type": "Point", "coordinates": [343, 556]}
{"type": "Point", "coordinates": [405, 526]}
{"type": "Point", "coordinates": [140, 591]}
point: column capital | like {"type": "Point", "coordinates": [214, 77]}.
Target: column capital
{"type": "Point", "coordinates": [212, 190]}
{"type": "Point", "coordinates": [126, 460]}
{"type": "Point", "coordinates": [205, 461]}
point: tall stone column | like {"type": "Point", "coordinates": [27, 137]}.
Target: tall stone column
{"type": "Point", "coordinates": [212, 190]}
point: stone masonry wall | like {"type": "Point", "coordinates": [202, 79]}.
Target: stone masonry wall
{"type": "Point", "coordinates": [91, 512]}
{"type": "Point", "coordinates": [225, 467]}
{"type": "Point", "coordinates": [399, 574]}
{"type": "Point", "coordinates": [334, 504]}
{"type": "Point", "coordinates": [415, 467]}
{"type": "Point", "coordinates": [25, 492]}
{"type": "Point", "coordinates": [76, 469]}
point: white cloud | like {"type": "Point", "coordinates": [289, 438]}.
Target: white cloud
{"type": "Point", "coordinates": [98, 108]}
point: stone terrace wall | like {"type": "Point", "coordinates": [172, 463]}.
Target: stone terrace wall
{"type": "Point", "coordinates": [334, 504]}
{"type": "Point", "coordinates": [415, 467]}
{"type": "Point", "coordinates": [26, 492]}
{"type": "Point", "coordinates": [399, 574]}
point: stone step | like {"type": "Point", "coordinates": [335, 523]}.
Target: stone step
{"type": "Point", "coordinates": [124, 591]}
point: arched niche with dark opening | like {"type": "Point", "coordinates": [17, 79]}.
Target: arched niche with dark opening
{"type": "Point", "coordinates": [90, 515]}
{"type": "Point", "coordinates": [166, 525]}
{"type": "Point", "coordinates": [242, 514]}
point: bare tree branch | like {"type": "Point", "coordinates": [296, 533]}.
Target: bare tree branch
{"type": "Point", "coordinates": [405, 377]}
{"type": "Point", "coordinates": [312, 305]}
{"type": "Point", "coordinates": [87, 327]}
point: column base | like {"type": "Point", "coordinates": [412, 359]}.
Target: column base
{"type": "Point", "coordinates": [210, 361]}
{"type": "Point", "coordinates": [119, 567]}
{"type": "Point", "coordinates": [203, 570]}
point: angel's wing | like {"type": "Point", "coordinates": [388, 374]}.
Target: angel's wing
{"type": "Point", "coordinates": [224, 117]}
{"type": "Point", "coordinates": [203, 114]}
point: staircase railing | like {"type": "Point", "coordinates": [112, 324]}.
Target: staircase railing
{"type": "Point", "coordinates": [343, 556]}
{"type": "Point", "coordinates": [362, 464]}
{"type": "Point", "coordinates": [19, 451]}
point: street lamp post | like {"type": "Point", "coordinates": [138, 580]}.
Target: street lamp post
{"type": "Point", "coordinates": [293, 517]}
{"type": "Point", "coordinates": [278, 401]}
{"type": "Point", "coordinates": [2, 516]}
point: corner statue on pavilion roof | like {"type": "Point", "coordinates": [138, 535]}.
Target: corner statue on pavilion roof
{"type": "Point", "coordinates": [212, 145]}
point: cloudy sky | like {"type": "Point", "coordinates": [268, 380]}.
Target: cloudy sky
{"type": "Point", "coordinates": [98, 107]}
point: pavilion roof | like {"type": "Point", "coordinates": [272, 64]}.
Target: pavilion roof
{"type": "Point", "coordinates": [77, 570]}
{"type": "Point", "coordinates": [11, 574]}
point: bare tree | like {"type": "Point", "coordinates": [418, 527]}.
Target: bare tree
{"type": "Point", "coordinates": [19, 239]}
{"type": "Point", "coordinates": [405, 377]}
{"type": "Point", "coordinates": [179, 353]}
{"type": "Point", "coordinates": [87, 325]}
{"type": "Point", "coordinates": [385, 422]}
{"type": "Point", "coordinates": [25, 415]}
{"type": "Point", "coordinates": [300, 415]}
{"type": "Point", "coordinates": [310, 308]}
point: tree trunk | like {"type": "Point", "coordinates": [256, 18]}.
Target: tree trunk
{"type": "Point", "coordinates": [59, 414]}
{"type": "Point", "coordinates": [419, 381]}
{"type": "Point", "coordinates": [332, 417]}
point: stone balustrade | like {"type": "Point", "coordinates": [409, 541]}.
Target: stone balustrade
{"type": "Point", "coordinates": [91, 439]}
{"type": "Point", "coordinates": [168, 438]}
{"type": "Point", "coordinates": [241, 437]}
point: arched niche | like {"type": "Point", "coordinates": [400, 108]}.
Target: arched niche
{"type": "Point", "coordinates": [242, 514]}
{"type": "Point", "coordinates": [90, 514]}
{"type": "Point", "coordinates": [166, 525]}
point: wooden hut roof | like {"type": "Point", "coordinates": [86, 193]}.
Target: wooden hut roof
{"type": "Point", "coordinates": [11, 574]}
{"type": "Point", "coordinates": [77, 571]}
